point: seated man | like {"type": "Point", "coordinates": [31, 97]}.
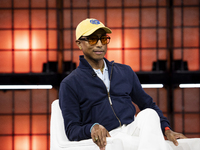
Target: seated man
{"type": "Point", "coordinates": [96, 98]}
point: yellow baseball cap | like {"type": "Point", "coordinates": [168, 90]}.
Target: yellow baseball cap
{"type": "Point", "coordinates": [89, 26]}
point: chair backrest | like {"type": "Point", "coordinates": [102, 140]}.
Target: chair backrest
{"type": "Point", "coordinates": [57, 130]}
{"type": "Point", "coordinates": [59, 140]}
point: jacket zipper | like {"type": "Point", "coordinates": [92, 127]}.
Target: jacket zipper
{"type": "Point", "coordinates": [109, 98]}
{"type": "Point", "coordinates": [110, 101]}
{"type": "Point", "coordinates": [113, 109]}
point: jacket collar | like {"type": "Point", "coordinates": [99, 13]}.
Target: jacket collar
{"type": "Point", "coordinates": [85, 65]}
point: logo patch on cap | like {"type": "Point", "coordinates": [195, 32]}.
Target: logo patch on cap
{"type": "Point", "coordinates": [94, 21]}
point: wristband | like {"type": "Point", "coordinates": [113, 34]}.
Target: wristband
{"type": "Point", "coordinates": [93, 126]}
{"type": "Point", "coordinates": [167, 128]}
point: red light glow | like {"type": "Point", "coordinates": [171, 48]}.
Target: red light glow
{"type": "Point", "coordinates": [21, 143]}
{"type": "Point", "coordinates": [39, 39]}
{"type": "Point", "coordinates": [116, 40]}
{"type": "Point", "coordinates": [21, 39]}
{"type": "Point", "coordinates": [115, 55]}
{"type": "Point", "coordinates": [132, 59]}
{"type": "Point", "coordinates": [39, 142]}
{"type": "Point", "coordinates": [21, 62]}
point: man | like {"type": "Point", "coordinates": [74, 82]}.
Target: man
{"type": "Point", "coordinates": [96, 98]}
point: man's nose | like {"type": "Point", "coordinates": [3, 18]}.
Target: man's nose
{"type": "Point", "coordinates": [99, 44]}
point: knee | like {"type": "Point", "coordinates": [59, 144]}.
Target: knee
{"type": "Point", "coordinates": [149, 113]}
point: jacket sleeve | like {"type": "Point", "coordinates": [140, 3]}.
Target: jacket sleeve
{"type": "Point", "coordinates": [70, 107]}
{"type": "Point", "coordinates": [143, 100]}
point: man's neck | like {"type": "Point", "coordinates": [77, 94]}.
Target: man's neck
{"type": "Point", "coordinates": [97, 64]}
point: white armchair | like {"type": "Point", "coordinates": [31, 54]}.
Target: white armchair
{"type": "Point", "coordinates": [59, 140]}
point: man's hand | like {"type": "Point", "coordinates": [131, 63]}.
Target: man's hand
{"type": "Point", "coordinates": [99, 134]}
{"type": "Point", "coordinates": [173, 136]}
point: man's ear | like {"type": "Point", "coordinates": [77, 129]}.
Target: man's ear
{"type": "Point", "coordinates": [78, 43]}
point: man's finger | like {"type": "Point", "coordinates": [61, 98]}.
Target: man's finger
{"type": "Point", "coordinates": [99, 143]}
{"type": "Point", "coordinates": [95, 139]}
{"type": "Point", "coordinates": [175, 142]}
{"type": "Point", "coordinates": [108, 134]}
{"type": "Point", "coordinates": [101, 140]}
{"type": "Point", "coordinates": [181, 136]}
{"type": "Point", "coordinates": [104, 140]}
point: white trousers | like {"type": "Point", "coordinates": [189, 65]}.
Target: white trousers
{"type": "Point", "coordinates": [144, 133]}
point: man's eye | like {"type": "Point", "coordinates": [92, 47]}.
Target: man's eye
{"type": "Point", "coordinates": [93, 38]}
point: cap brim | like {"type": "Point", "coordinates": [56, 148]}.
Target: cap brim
{"type": "Point", "coordinates": [107, 30]}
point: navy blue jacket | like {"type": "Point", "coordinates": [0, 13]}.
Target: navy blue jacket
{"type": "Point", "coordinates": [84, 99]}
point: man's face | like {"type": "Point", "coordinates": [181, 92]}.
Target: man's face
{"type": "Point", "coordinates": [94, 52]}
